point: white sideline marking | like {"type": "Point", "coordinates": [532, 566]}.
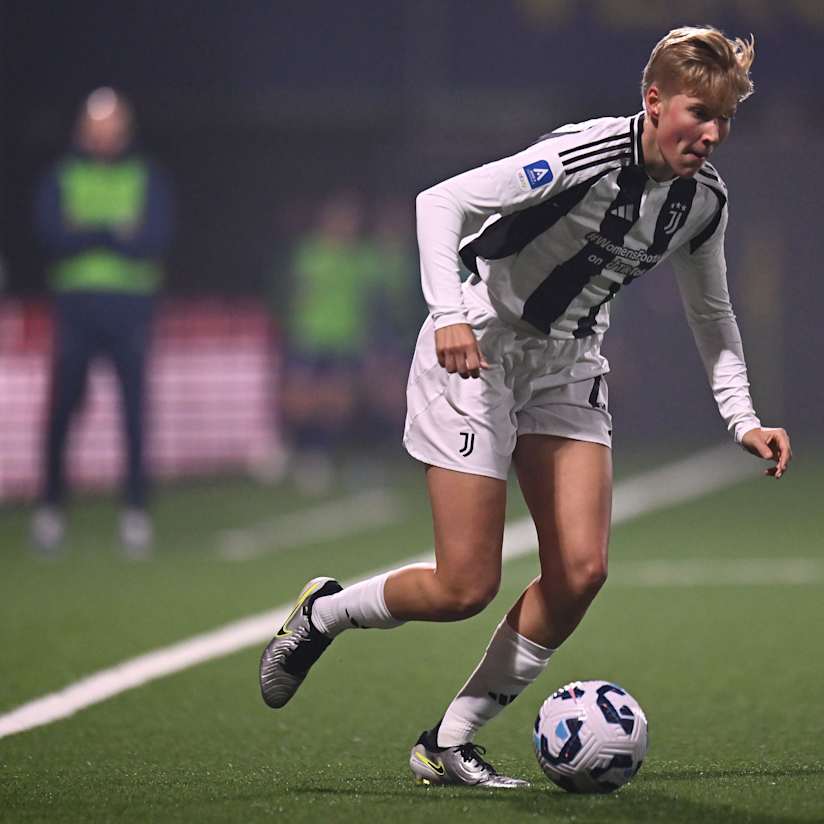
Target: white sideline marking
{"type": "Point", "coordinates": [713, 572]}
{"type": "Point", "coordinates": [366, 510]}
{"type": "Point", "coordinates": [706, 471]}
{"type": "Point", "coordinates": [141, 670]}
{"type": "Point", "coordinates": [675, 483]}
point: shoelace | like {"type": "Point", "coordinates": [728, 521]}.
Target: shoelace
{"type": "Point", "coordinates": [297, 637]}
{"type": "Point", "coordinates": [473, 752]}
{"type": "Point", "coordinates": [303, 647]}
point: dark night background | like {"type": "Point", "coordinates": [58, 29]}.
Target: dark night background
{"type": "Point", "coordinates": [258, 109]}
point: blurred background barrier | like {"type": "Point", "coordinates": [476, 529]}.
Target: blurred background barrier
{"type": "Point", "coordinates": [213, 373]}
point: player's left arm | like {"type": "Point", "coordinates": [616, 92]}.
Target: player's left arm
{"type": "Point", "coordinates": [702, 281]}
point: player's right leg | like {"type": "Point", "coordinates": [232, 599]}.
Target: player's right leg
{"type": "Point", "coordinates": [462, 430]}
{"type": "Point", "coordinates": [296, 646]}
{"type": "Point", "coordinates": [468, 538]}
{"type": "Point", "coordinates": [468, 513]}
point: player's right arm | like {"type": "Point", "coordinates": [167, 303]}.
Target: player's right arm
{"type": "Point", "coordinates": [457, 208]}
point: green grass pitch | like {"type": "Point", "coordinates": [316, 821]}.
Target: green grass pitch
{"type": "Point", "coordinates": [730, 675]}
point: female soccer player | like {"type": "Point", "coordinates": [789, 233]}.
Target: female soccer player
{"type": "Point", "coordinates": [508, 366]}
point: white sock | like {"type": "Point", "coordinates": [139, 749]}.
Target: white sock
{"type": "Point", "coordinates": [361, 605]}
{"type": "Point", "coordinates": [509, 665]}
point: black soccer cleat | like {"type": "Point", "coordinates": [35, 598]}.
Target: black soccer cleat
{"type": "Point", "coordinates": [296, 646]}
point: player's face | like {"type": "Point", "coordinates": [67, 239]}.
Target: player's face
{"type": "Point", "coordinates": [689, 130]}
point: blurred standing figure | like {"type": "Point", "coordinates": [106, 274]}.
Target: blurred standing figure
{"type": "Point", "coordinates": [396, 311]}
{"type": "Point", "coordinates": [327, 330]}
{"type": "Point", "coordinates": [103, 216]}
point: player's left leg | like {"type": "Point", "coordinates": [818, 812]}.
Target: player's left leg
{"type": "Point", "coordinates": [567, 486]}
{"type": "Point", "coordinates": [571, 507]}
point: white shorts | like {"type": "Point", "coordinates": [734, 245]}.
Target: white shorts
{"type": "Point", "coordinates": [534, 385]}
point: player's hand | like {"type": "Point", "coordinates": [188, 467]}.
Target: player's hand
{"type": "Point", "coordinates": [458, 350]}
{"type": "Point", "coordinates": [771, 445]}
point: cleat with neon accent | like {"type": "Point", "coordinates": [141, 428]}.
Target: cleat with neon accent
{"type": "Point", "coordinates": [464, 764]}
{"type": "Point", "coordinates": [295, 647]}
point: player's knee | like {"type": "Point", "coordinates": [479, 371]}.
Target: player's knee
{"type": "Point", "coordinates": [588, 577]}
{"type": "Point", "coordinates": [461, 602]}
{"type": "Point", "coordinates": [579, 581]}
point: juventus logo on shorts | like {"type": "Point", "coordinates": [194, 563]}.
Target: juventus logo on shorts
{"type": "Point", "coordinates": [468, 443]}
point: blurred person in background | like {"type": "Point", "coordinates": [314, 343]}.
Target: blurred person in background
{"type": "Point", "coordinates": [103, 216]}
{"type": "Point", "coordinates": [397, 310]}
{"type": "Point", "coordinates": [326, 320]}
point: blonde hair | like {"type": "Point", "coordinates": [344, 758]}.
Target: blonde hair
{"type": "Point", "coordinates": [702, 61]}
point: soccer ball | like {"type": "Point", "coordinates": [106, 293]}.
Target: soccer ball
{"type": "Point", "coordinates": [590, 737]}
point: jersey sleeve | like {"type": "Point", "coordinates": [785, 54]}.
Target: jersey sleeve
{"type": "Point", "coordinates": [459, 207]}
{"type": "Point", "coordinates": [702, 281]}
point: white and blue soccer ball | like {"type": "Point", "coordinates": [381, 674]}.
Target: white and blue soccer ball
{"type": "Point", "coordinates": [590, 737]}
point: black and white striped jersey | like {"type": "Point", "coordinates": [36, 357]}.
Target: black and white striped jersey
{"type": "Point", "coordinates": [555, 231]}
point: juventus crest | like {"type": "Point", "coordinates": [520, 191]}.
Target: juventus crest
{"type": "Point", "coordinates": [677, 213]}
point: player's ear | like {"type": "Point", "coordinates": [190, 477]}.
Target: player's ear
{"type": "Point", "coordinates": [653, 100]}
